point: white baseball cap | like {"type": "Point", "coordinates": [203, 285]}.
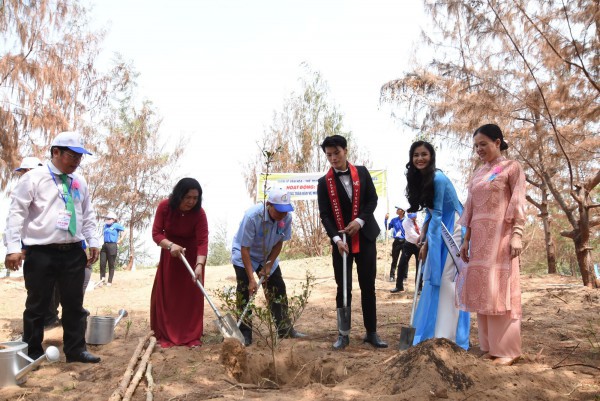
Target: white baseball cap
{"type": "Point", "coordinates": [280, 199]}
{"type": "Point", "coordinates": [71, 140]}
{"type": "Point", "coordinates": [110, 215]}
{"type": "Point", "coordinates": [29, 162]}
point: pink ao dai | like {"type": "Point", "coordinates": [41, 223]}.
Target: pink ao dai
{"type": "Point", "coordinates": [489, 285]}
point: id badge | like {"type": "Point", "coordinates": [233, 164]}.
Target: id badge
{"type": "Point", "coordinates": [64, 218]}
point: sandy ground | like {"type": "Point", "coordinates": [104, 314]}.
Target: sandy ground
{"type": "Point", "coordinates": [561, 361]}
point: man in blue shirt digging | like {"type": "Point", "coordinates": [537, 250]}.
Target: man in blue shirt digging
{"type": "Point", "coordinates": [255, 249]}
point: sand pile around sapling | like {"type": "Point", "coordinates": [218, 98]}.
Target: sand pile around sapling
{"type": "Point", "coordinates": [434, 367]}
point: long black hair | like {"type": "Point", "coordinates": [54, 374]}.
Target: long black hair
{"type": "Point", "coordinates": [181, 189]}
{"type": "Point", "coordinates": [419, 184]}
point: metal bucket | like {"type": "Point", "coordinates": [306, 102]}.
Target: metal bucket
{"type": "Point", "coordinates": [15, 363]}
{"type": "Point", "coordinates": [101, 329]}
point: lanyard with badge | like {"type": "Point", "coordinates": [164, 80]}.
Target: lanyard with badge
{"type": "Point", "coordinates": [64, 217]}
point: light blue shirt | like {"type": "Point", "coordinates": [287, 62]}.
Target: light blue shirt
{"type": "Point", "coordinates": [251, 234]}
{"type": "Point", "coordinates": [111, 232]}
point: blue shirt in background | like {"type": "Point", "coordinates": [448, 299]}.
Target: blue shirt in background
{"type": "Point", "coordinates": [396, 224]}
{"type": "Point", "coordinates": [111, 232]}
{"type": "Point", "coordinates": [251, 234]}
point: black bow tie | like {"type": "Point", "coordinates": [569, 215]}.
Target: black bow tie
{"type": "Point", "coordinates": [341, 173]}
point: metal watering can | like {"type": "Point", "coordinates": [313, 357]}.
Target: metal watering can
{"type": "Point", "coordinates": [101, 329]}
{"type": "Point", "coordinates": [15, 363]}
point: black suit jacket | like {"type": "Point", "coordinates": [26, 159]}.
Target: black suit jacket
{"type": "Point", "coordinates": [368, 203]}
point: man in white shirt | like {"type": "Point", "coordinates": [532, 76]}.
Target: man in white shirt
{"type": "Point", "coordinates": [51, 212]}
{"type": "Point", "coordinates": [410, 248]}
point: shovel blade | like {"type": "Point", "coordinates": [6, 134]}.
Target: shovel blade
{"type": "Point", "coordinates": [407, 336]}
{"type": "Point", "coordinates": [228, 328]}
{"type": "Point", "coordinates": [343, 315]}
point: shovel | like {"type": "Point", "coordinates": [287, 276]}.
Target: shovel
{"type": "Point", "coordinates": [226, 324]}
{"type": "Point", "coordinates": [407, 334]}
{"type": "Point", "coordinates": [343, 314]}
{"type": "Point", "coordinates": [249, 302]}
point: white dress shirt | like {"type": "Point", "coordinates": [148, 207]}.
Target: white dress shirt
{"type": "Point", "coordinates": [37, 201]}
{"type": "Point", "coordinates": [347, 183]}
{"type": "Point", "coordinates": [410, 233]}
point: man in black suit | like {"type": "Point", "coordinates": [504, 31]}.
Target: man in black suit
{"type": "Point", "coordinates": [347, 200]}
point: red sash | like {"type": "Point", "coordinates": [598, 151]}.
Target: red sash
{"type": "Point", "coordinates": [335, 201]}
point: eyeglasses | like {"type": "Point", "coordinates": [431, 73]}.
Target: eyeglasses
{"type": "Point", "coordinates": [73, 155]}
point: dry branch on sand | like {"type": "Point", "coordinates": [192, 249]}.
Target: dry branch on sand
{"type": "Point", "coordinates": [140, 371]}
{"type": "Point", "coordinates": [124, 383]}
{"type": "Point", "coordinates": [150, 380]}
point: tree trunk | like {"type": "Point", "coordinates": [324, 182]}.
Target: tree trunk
{"type": "Point", "coordinates": [548, 240]}
{"type": "Point", "coordinates": [582, 239]}
{"type": "Point", "coordinates": [581, 235]}
{"type": "Point", "coordinates": [131, 245]}
{"type": "Point", "coordinates": [581, 224]}
{"type": "Point", "coordinates": [584, 260]}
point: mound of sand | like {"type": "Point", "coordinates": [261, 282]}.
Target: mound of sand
{"type": "Point", "coordinates": [434, 367]}
{"type": "Point", "coordinates": [437, 364]}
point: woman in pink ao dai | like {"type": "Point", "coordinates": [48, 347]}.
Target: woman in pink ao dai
{"type": "Point", "coordinates": [494, 218]}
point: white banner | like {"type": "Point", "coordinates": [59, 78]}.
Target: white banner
{"type": "Point", "coordinates": [303, 186]}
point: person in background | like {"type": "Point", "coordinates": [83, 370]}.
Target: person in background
{"type": "Point", "coordinates": [177, 304]}
{"type": "Point", "coordinates": [112, 238]}
{"type": "Point", "coordinates": [385, 223]}
{"type": "Point", "coordinates": [412, 234]}
{"type": "Point", "coordinates": [51, 212]}
{"type": "Point", "coordinates": [428, 188]}
{"type": "Point", "coordinates": [255, 249]}
{"type": "Point", "coordinates": [51, 318]}
{"type": "Point", "coordinates": [347, 200]}
{"type": "Point", "coordinates": [399, 238]}
{"type": "Point", "coordinates": [28, 163]}
{"type": "Point", "coordinates": [494, 217]}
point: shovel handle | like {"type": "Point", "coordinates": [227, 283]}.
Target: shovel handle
{"type": "Point", "coordinates": [412, 313]}
{"type": "Point", "coordinates": [345, 273]}
{"type": "Point", "coordinates": [199, 284]}
{"type": "Point", "coordinates": [249, 302]}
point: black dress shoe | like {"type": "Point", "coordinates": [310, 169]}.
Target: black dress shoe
{"type": "Point", "coordinates": [396, 289]}
{"type": "Point", "coordinates": [84, 357]}
{"type": "Point", "coordinates": [373, 339]}
{"type": "Point", "coordinates": [247, 339]}
{"type": "Point", "coordinates": [342, 342]}
{"type": "Point", "coordinates": [294, 334]}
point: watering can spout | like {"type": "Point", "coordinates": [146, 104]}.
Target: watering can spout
{"type": "Point", "coordinates": [122, 313]}
{"type": "Point", "coordinates": [52, 355]}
